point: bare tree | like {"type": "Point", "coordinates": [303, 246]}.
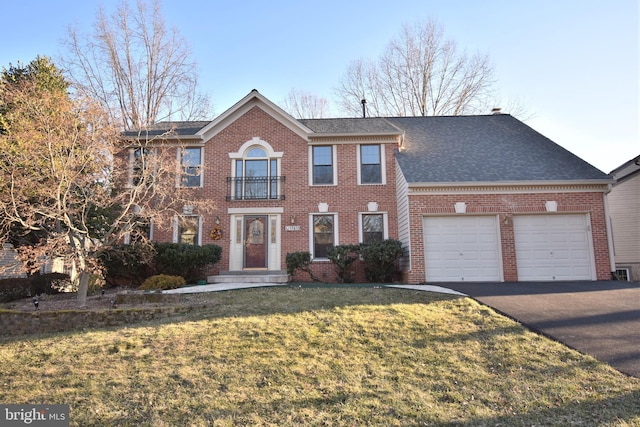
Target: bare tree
{"type": "Point", "coordinates": [67, 176]}
{"type": "Point", "coordinates": [419, 74]}
{"type": "Point", "coordinates": [304, 105]}
{"type": "Point", "coordinates": [138, 70]}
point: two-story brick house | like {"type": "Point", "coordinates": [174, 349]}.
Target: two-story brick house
{"type": "Point", "coordinates": [472, 198]}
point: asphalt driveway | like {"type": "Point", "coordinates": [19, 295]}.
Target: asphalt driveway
{"type": "Point", "coordinates": [597, 318]}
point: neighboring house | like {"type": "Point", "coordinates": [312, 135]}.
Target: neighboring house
{"type": "Point", "coordinates": [472, 198]}
{"type": "Point", "coordinates": [10, 264]}
{"type": "Point", "coordinates": [624, 208]}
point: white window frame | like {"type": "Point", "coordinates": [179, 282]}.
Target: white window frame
{"type": "Point", "coordinates": [127, 236]}
{"type": "Point", "coordinates": [627, 273]}
{"type": "Point", "coordinates": [334, 165]}
{"type": "Point", "coordinates": [336, 233]}
{"type": "Point", "coordinates": [385, 224]}
{"type": "Point", "coordinates": [383, 168]}
{"type": "Point", "coordinates": [176, 228]}
{"type": "Point", "coordinates": [132, 159]}
{"type": "Point", "coordinates": [242, 153]}
{"type": "Point", "coordinates": [181, 168]}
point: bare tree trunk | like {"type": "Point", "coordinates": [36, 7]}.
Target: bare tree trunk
{"type": "Point", "coordinates": [83, 288]}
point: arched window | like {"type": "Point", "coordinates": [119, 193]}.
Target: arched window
{"type": "Point", "coordinates": [256, 172]}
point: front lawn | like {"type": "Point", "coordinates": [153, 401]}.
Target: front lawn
{"type": "Point", "coordinates": [319, 356]}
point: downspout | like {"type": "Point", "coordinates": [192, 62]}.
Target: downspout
{"type": "Point", "coordinates": [612, 263]}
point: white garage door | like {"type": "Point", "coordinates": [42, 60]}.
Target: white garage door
{"type": "Point", "coordinates": [553, 247]}
{"type": "Point", "coordinates": [462, 248]}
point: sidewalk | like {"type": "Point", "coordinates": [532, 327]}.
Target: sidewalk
{"type": "Point", "coordinates": [231, 286]}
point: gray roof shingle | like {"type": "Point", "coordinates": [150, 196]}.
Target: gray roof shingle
{"type": "Point", "coordinates": [350, 126]}
{"type": "Point", "coordinates": [450, 149]}
{"type": "Point", "coordinates": [484, 149]}
{"type": "Point", "coordinates": [178, 128]}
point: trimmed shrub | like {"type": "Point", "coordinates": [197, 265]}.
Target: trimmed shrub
{"type": "Point", "coordinates": [162, 281]}
{"type": "Point", "coordinates": [381, 259]}
{"type": "Point", "coordinates": [49, 283]}
{"type": "Point", "coordinates": [342, 257]}
{"type": "Point", "coordinates": [14, 288]}
{"type": "Point", "coordinates": [300, 261]}
{"type": "Point", "coordinates": [126, 264]}
{"type": "Point", "coordinates": [188, 261]}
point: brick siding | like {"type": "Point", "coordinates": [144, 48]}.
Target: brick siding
{"type": "Point", "coordinates": [506, 206]}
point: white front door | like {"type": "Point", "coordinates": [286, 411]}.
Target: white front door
{"type": "Point", "coordinates": [255, 239]}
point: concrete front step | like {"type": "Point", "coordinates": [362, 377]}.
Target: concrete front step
{"type": "Point", "coordinates": [249, 277]}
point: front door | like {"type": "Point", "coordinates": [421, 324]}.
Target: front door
{"type": "Point", "coordinates": [255, 241]}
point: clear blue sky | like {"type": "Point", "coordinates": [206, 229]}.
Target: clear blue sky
{"type": "Point", "coordinates": [572, 63]}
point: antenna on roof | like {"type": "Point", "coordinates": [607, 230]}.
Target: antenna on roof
{"type": "Point", "coordinates": [364, 107]}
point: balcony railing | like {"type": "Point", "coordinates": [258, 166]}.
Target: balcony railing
{"type": "Point", "coordinates": [255, 188]}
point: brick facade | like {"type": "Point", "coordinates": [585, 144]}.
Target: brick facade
{"type": "Point", "coordinates": [256, 122]}
{"type": "Point", "coordinates": [347, 199]}
{"type": "Point", "coordinates": [506, 206]}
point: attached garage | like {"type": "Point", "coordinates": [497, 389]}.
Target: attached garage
{"type": "Point", "coordinates": [554, 247]}
{"type": "Point", "coordinates": [462, 248]}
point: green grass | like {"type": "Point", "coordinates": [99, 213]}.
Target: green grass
{"type": "Point", "coordinates": [319, 356]}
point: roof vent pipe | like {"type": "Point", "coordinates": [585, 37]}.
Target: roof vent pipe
{"type": "Point", "coordinates": [496, 111]}
{"type": "Point", "coordinates": [364, 107]}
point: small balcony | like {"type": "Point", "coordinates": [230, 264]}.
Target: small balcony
{"type": "Point", "coordinates": [255, 188]}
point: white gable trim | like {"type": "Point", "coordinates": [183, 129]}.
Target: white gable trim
{"type": "Point", "coordinates": [253, 99]}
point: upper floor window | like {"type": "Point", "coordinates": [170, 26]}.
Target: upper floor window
{"type": "Point", "coordinates": [139, 163]}
{"type": "Point", "coordinates": [370, 171]}
{"type": "Point", "coordinates": [191, 162]}
{"type": "Point", "coordinates": [256, 176]}
{"type": "Point", "coordinates": [322, 164]}
{"type": "Point", "coordinates": [256, 172]}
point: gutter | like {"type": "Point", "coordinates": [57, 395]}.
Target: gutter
{"type": "Point", "coordinates": [607, 220]}
{"type": "Point", "coordinates": [452, 184]}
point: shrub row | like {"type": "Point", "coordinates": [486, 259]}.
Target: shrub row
{"type": "Point", "coordinates": [133, 264]}
{"type": "Point", "coordinates": [380, 259]}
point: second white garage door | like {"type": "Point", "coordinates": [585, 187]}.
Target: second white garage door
{"type": "Point", "coordinates": [553, 247]}
{"type": "Point", "coordinates": [462, 248]}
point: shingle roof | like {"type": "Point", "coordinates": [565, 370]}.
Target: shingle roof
{"type": "Point", "coordinates": [449, 149]}
{"type": "Point", "coordinates": [484, 149]}
{"type": "Point", "coordinates": [178, 128]}
{"type": "Point", "coordinates": [350, 126]}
